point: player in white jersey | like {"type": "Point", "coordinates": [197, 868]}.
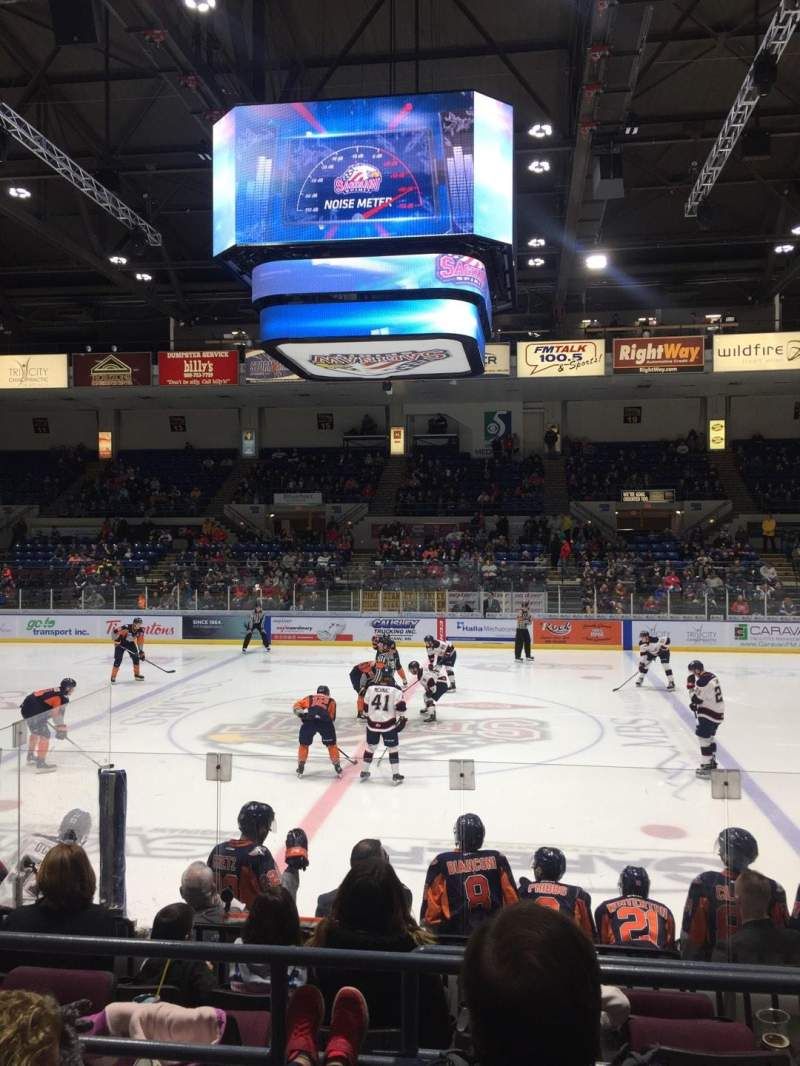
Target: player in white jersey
{"type": "Point", "coordinates": [74, 829]}
{"type": "Point", "coordinates": [434, 685]}
{"type": "Point", "coordinates": [709, 710]}
{"type": "Point", "coordinates": [385, 710]}
{"type": "Point", "coordinates": [442, 653]}
{"type": "Point", "coordinates": [650, 649]}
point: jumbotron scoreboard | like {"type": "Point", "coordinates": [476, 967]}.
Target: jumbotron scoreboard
{"type": "Point", "coordinates": [371, 198]}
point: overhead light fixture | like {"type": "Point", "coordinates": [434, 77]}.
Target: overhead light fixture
{"type": "Point", "coordinates": [596, 261]}
{"type": "Point", "coordinates": [783, 249]}
{"type": "Point", "coordinates": [144, 277]}
{"type": "Point", "coordinates": [202, 7]}
{"type": "Point", "coordinates": [646, 320]}
{"type": "Point", "coordinates": [796, 230]}
{"type": "Point", "coordinates": [537, 262]}
{"type": "Point", "coordinates": [118, 260]}
{"type": "Point", "coordinates": [539, 166]}
{"type": "Point", "coordinates": [19, 192]}
{"type": "Point", "coordinates": [540, 130]}
{"type": "Point", "coordinates": [537, 242]}
{"type": "Point", "coordinates": [713, 318]}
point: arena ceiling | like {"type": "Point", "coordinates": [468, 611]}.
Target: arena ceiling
{"type": "Point", "coordinates": [135, 109]}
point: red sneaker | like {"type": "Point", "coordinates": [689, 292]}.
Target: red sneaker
{"type": "Point", "coordinates": [303, 1018]}
{"type": "Point", "coordinates": [349, 1024]}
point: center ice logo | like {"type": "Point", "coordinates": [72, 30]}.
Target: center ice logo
{"type": "Point", "coordinates": [359, 177]}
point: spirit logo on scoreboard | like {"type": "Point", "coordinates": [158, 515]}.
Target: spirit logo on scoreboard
{"type": "Point", "coordinates": [359, 177]}
{"type": "Point", "coordinates": [378, 362]}
{"type": "Point", "coordinates": [463, 269]}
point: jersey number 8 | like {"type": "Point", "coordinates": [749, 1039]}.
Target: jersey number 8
{"type": "Point", "coordinates": [478, 893]}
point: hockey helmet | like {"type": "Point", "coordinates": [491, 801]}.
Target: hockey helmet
{"type": "Point", "coordinates": [469, 832]}
{"type": "Point", "coordinates": [414, 668]}
{"type": "Point", "coordinates": [737, 848]}
{"type": "Point", "coordinates": [634, 881]}
{"type": "Point", "coordinates": [68, 684]}
{"type": "Point", "coordinates": [256, 820]}
{"type": "Point", "coordinates": [323, 690]}
{"type": "Point", "coordinates": [429, 640]}
{"type": "Point", "coordinates": [137, 621]}
{"type": "Point", "coordinates": [75, 827]}
{"type": "Point", "coordinates": [696, 666]}
{"type": "Point", "coordinates": [644, 633]}
{"type": "Point", "coordinates": [549, 864]}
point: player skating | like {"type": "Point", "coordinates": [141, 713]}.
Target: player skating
{"type": "Point", "coordinates": [41, 709]}
{"type": "Point", "coordinates": [385, 713]}
{"type": "Point", "coordinates": [128, 637]}
{"type": "Point", "coordinates": [359, 679]}
{"type": "Point", "coordinates": [650, 649]}
{"type": "Point", "coordinates": [548, 890]}
{"type": "Point", "coordinates": [434, 685]}
{"type": "Point", "coordinates": [317, 714]}
{"type": "Point", "coordinates": [634, 918]}
{"type": "Point", "coordinates": [522, 638]}
{"type": "Point", "coordinates": [442, 653]}
{"type": "Point", "coordinates": [256, 621]}
{"type": "Point", "coordinates": [709, 710]}
{"type": "Point", "coordinates": [246, 867]}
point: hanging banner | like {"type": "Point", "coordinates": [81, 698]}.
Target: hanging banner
{"type": "Point", "coordinates": [101, 370]}
{"type": "Point", "coordinates": [260, 367]}
{"type": "Point", "coordinates": [734, 352]}
{"type": "Point", "coordinates": [497, 359]}
{"type": "Point", "coordinates": [584, 358]}
{"type": "Point", "coordinates": [658, 355]}
{"type": "Point", "coordinates": [33, 372]}
{"type": "Point", "coordinates": [198, 368]}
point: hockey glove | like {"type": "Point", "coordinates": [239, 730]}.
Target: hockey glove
{"type": "Point", "coordinates": [690, 680]}
{"type": "Point", "coordinates": [61, 731]}
{"type": "Point", "coordinates": [296, 849]}
{"type": "Point", "coordinates": [401, 724]}
{"type": "Point", "coordinates": [64, 700]}
{"type": "Point", "coordinates": [694, 704]}
{"type": "Point", "coordinates": [141, 654]}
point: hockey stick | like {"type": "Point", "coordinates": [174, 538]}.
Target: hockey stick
{"type": "Point", "coordinates": [625, 682]}
{"type": "Point", "coordinates": [161, 668]}
{"type": "Point", "coordinates": [101, 765]}
{"type": "Point", "coordinates": [353, 762]}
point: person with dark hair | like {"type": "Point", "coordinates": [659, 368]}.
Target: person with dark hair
{"type": "Point", "coordinates": [193, 978]}
{"type": "Point", "coordinates": [370, 914]}
{"type": "Point", "coordinates": [463, 887]}
{"type": "Point", "coordinates": [758, 942]}
{"type": "Point", "coordinates": [272, 919]}
{"type": "Point", "coordinates": [532, 986]}
{"type": "Point", "coordinates": [369, 848]}
{"type": "Point", "coordinates": [548, 890]}
{"type": "Point", "coordinates": [634, 918]}
{"type": "Point", "coordinates": [712, 912]}
{"type": "Point", "coordinates": [66, 885]}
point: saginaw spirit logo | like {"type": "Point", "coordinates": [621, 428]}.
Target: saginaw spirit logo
{"type": "Point", "coordinates": [461, 268]}
{"type": "Point", "coordinates": [378, 362]}
{"type": "Point", "coordinates": [360, 177]}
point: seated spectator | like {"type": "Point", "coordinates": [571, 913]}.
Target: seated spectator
{"type": "Point", "coordinates": [740, 606]}
{"type": "Point", "coordinates": [348, 1027]}
{"type": "Point", "coordinates": [66, 885]}
{"type": "Point", "coordinates": [272, 919]}
{"type": "Point", "coordinates": [787, 607]}
{"type": "Point", "coordinates": [370, 913]}
{"type": "Point", "coordinates": [364, 850]}
{"type": "Point", "coordinates": [532, 988]}
{"type": "Point", "coordinates": [30, 1030]}
{"type": "Point", "coordinates": [194, 978]}
{"type": "Point", "coordinates": [758, 942]}
{"type": "Point", "coordinates": [198, 889]}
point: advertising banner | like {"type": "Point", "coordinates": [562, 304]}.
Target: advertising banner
{"type": "Point", "coordinates": [495, 630]}
{"type": "Point", "coordinates": [209, 626]}
{"type": "Point", "coordinates": [658, 355]}
{"type": "Point", "coordinates": [297, 499]}
{"type": "Point", "coordinates": [496, 425]}
{"type": "Point", "coordinates": [260, 367]}
{"type": "Point", "coordinates": [584, 358]}
{"type": "Point", "coordinates": [45, 626]}
{"type": "Point", "coordinates": [156, 626]}
{"type": "Point", "coordinates": [110, 369]}
{"type": "Point", "coordinates": [734, 352]}
{"type": "Point", "coordinates": [726, 636]}
{"type": "Point", "coordinates": [198, 368]}
{"type": "Point", "coordinates": [344, 630]}
{"type": "Point", "coordinates": [498, 359]}
{"type": "Point", "coordinates": [33, 372]}
{"type": "Point", "coordinates": [578, 632]}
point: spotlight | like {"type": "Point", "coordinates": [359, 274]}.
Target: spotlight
{"type": "Point", "coordinates": [144, 277]}
{"type": "Point", "coordinates": [596, 261]}
{"type": "Point", "coordinates": [783, 249]}
{"type": "Point", "coordinates": [539, 166]}
{"type": "Point", "coordinates": [19, 192]}
{"type": "Point", "coordinates": [202, 7]}
{"type": "Point", "coordinates": [537, 262]}
{"type": "Point", "coordinates": [537, 242]}
{"type": "Point", "coordinates": [796, 230]}
{"type": "Point", "coordinates": [118, 260]}
{"type": "Point", "coordinates": [540, 130]}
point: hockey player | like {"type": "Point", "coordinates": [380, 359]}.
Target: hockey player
{"type": "Point", "coordinates": [434, 686]}
{"type": "Point", "coordinates": [128, 638]}
{"type": "Point", "coordinates": [522, 638]}
{"type": "Point", "coordinates": [359, 678]}
{"type": "Point", "coordinates": [712, 912]}
{"type": "Point", "coordinates": [246, 867]}
{"type": "Point", "coordinates": [709, 710]}
{"type": "Point", "coordinates": [549, 865]}
{"type": "Point", "coordinates": [465, 886]}
{"type": "Point", "coordinates": [385, 708]}
{"type": "Point", "coordinates": [259, 621]}
{"type": "Point", "coordinates": [74, 829]}
{"type": "Point", "coordinates": [317, 714]}
{"type": "Point", "coordinates": [41, 709]}
{"type": "Point", "coordinates": [650, 649]}
{"type": "Point", "coordinates": [634, 918]}
{"type": "Point", "coordinates": [442, 653]}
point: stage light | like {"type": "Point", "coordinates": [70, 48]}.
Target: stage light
{"type": "Point", "coordinates": [540, 130]}
{"type": "Point", "coordinates": [537, 262]}
{"type": "Point", "coordinates": [537, 242]}
{"type": "Point", "coordinates": [144, 277]}
{"type": "Point", "coordinates": [19, 192]}
{"type": "Point", "coordinates": [796, 230]}
{"type": "Point", "coordinates": [118, 260]}
{"type": "Point", "coordinates": [783, 249]}
{"type": "Point", "coordinates": [596, 261]}
{"type": "Point", "coordinates": [539, 166]}
{"type": "Point", "coordinates": [202, 7]}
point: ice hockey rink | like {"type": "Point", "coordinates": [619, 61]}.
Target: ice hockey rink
{"type": "Point", "coordinates": [559, 760]}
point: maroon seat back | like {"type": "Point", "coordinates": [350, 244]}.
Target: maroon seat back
{"type": "Point", "coordinates": [650, 1004]}
{"type": "Point", "coordinates": [65, 986]}
{"type": "Point", "coordinates": [690, 1034]}
{"type": "Point", "coordinates": [254, 1026]}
